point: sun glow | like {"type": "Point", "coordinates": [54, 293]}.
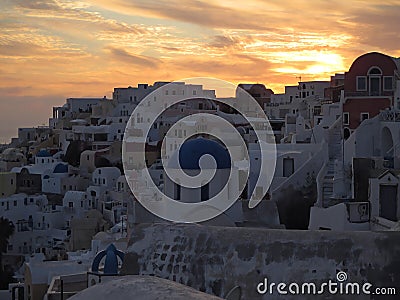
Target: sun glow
{"type": "Point", "coordinates": [54, 49]}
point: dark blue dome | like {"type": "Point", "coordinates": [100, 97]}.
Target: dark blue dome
{"type": "Point", "coordinates": [43, 153]}
{"type": "Point", "coordinates": [192, 150]}
{"type": "Point", "coordinates": [61, 168]}
{"type": "Point", "coordinates": [111, 262]}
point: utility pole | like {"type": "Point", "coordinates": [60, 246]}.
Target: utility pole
{"type": "Point", "coordinates": [301, 88]}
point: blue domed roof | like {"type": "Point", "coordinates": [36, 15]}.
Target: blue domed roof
{"type": "Point", "coordinates": [43, 153]}
{"type": "Point", "coordinates": [61, 168]}
{"type": "Point", "coordinates": [192, 150]}
{"type": "Point", "coordinates": [111, 262]}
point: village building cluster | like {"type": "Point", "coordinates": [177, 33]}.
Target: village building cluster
{"type": "Point", "coordinates": [64, 188]}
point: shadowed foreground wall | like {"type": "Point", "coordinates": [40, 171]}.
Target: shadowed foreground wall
{"type": "Point", "coordinates": [215, 259]}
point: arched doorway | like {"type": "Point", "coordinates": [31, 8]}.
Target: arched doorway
{"type": "Point", "coordinates": [346, 133]}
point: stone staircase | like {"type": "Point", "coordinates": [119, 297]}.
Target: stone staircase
{"type": "Point", "coordinates": [335, 153]}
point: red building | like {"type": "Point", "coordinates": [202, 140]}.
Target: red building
{"type": "Point", "coordinates": [369, 87]}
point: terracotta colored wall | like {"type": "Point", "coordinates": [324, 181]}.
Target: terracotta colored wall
{"type": "Point", "coordinates": [363, 63]}
{"type": "Point", "coordinates": [356, 106]}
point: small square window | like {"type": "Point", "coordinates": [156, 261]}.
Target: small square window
{"type": "Point", "coordinates": [361, 83]}
{"type": "Point", "coordinates": [388, 83]}
{"type": "Point", "coordinates": [364, 116]}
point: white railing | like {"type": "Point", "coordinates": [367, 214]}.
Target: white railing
{"type": "Point", "coordinates": [389, 116]}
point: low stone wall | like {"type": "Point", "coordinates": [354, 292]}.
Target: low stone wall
{"type": "Point", "coordinates": [141, 288]}
{"type": "Point", "coordinates": [216, 259]}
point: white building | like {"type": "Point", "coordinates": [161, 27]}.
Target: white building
{"type": "Point", "coordinates": [106, 177]}
{"type": "Point", "coordinates": [189, 156]}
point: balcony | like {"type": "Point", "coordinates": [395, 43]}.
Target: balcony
{"type": "Point", "coordinates": [368, 94]}
{"type": "Point", "coordinates": [389, 116]}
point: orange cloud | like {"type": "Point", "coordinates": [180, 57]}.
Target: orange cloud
{"type": "Point", "coordinates": [52, 49]}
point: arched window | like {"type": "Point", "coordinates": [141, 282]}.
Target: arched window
{"type": "Point", "coordinates": [375, 71]}
{"type": "Point", "coordinates": [375, 81]}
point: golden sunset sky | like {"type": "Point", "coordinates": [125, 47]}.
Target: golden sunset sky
{"type": "Point", "coordinates": [54, 49]}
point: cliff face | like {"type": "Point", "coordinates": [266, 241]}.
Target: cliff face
{"type": "Point", "coordinates": [216, 259]}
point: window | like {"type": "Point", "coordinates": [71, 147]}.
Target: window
{"type": "Point", "coordinates": [361, 83]}
{"type": "Point", "coordinates": [388, 83]}
{"type": "Point", "coordinates": [374, 71]}
{"type": "Point", "coordinates": [15, 203]}
{"type": "Point", "coordinates": [205, 192]}
{"type": "Point", "coordinates": [288, 167]}
{"type": "Point", "coordinates": [374, 85]}
{"type": "Point", "coordinates": [317, 110]}
{"type": "Point", "coordinates": [177, 191]}
{"type": "Point", "coordinates": [346, 118]}
{"type": "Point", "coordinates": [364, 116]}
{"type": "Point", "coordinates": [70, 204]}
{"type": "Point", "coordinates": [12, 181]}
